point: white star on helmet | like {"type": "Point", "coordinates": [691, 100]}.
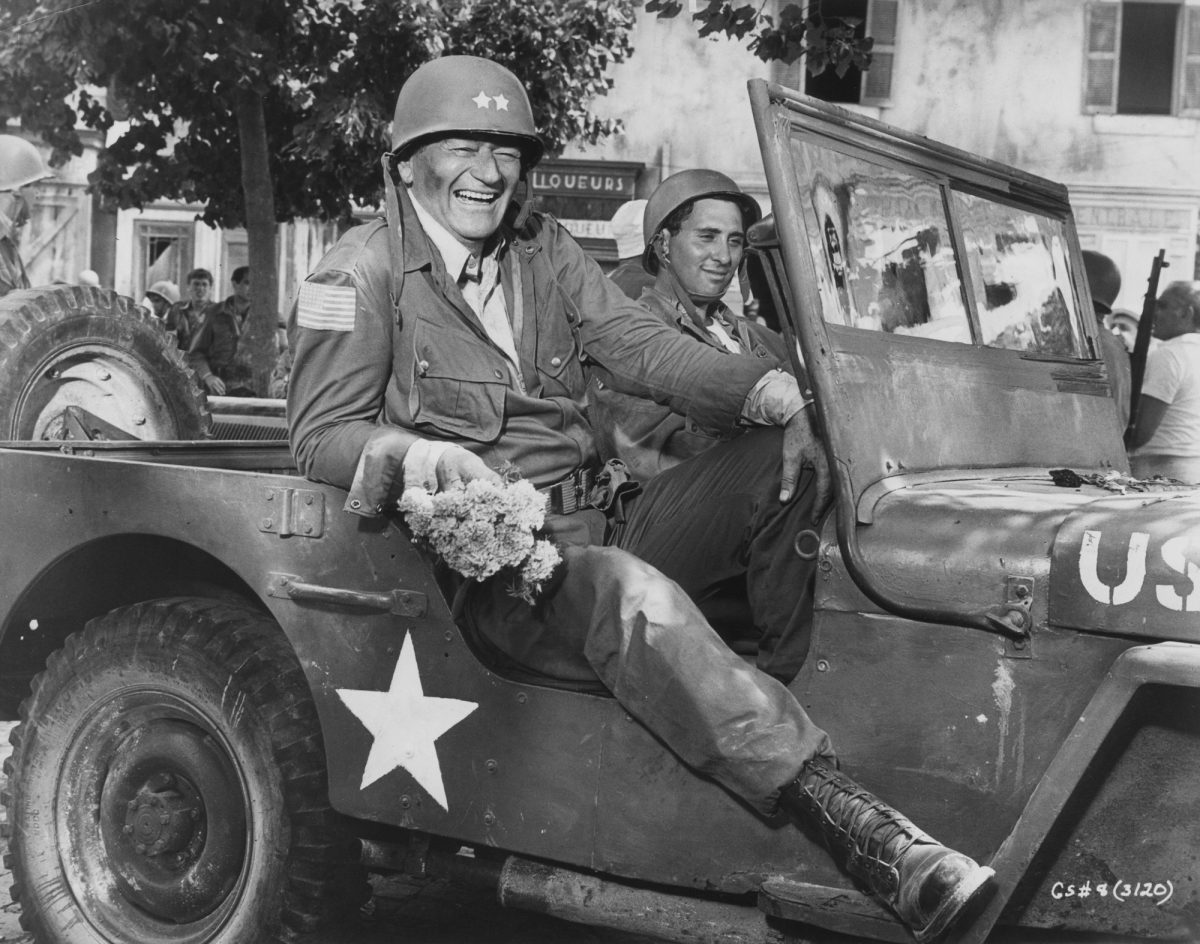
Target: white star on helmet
{"type": "Point", "coordinates": [483, 100]}
{"type": "Point", "coordinates": [501, 103]}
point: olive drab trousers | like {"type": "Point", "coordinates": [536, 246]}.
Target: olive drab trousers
{"type": "Point", "coordinates": [622, 614]}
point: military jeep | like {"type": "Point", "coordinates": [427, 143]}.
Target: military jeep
{"type": "Point", "coordinates": [234, 698]}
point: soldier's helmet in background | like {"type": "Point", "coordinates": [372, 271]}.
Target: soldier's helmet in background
{"type": "Point", "coordinates": [20, 163]}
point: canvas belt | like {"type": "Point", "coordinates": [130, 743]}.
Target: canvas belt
{"type": "Point", "coordinates": [571, 494]}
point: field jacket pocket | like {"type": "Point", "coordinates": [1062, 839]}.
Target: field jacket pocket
{"type": "Point", "coordinates": [458, 385]}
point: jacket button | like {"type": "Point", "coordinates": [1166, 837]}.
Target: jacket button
{"type": "Point", "coordinates": [555, 361]}
{"type": "Point", "coordinates": [355, 503]}
{"type": "Point", "coordinates": [499, 374]}
{"type": "Point", "coordinates": [423, 368]}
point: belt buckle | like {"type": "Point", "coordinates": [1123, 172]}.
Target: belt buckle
{"type": "Point", "coordinates": [570, 495]}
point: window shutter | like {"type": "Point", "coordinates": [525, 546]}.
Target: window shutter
{"type": "Point", "coordinates": [1189, 85]}
{"type": "Point", "coordinates": [881, 25]}
{"type": "Point", "coordinates": [1103, 46]}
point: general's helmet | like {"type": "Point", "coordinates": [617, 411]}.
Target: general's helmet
{"type": "Point", "coordinates": [20, 163]}
{"type": "Point", "coordinates": [464, 95]}
{"type": "Point", "coordinates": [685, 187]}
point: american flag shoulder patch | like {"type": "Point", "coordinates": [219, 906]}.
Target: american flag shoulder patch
{"type": "Point", "coordinates": [326, 307]}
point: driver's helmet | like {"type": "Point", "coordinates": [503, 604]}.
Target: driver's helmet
{"type": "Point", "coordinates": [685, 187]}
{"type": "Point", "coordinates": [464, 95]}
{"type": "Point", "coordinates": [20, 163]}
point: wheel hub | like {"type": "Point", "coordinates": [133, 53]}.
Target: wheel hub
{"type": "Point", "coordinates": [166, 818]}
{"type": "Point", "coordinates": [172, 820]}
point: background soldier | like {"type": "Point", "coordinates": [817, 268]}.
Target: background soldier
{"type": "Point", "coordinates": [185, 317]}
{"type": "Point", "coordinates": [215, 352]}
{"type": "Point", "coordinates": [629, 275]}
{"type": "Point", "coordinates": [21, 167]}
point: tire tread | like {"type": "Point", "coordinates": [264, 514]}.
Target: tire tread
{"type": "Point", "coordinates": [323, 878]}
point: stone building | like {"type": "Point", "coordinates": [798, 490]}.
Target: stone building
{"type": "Point", "coordinates": [1101, 95]}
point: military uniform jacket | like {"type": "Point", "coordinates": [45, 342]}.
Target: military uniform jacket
{"type": "Point", "coordinates": [184, 319]}
{"type": "Point", "coordinates": [12, 271]}
{"type": "Point", "coordinates": [649, 436]}
{"type": "Point", "coordinates": [427, 365]}
{"type": "Point", "coordinates": [214, 347]}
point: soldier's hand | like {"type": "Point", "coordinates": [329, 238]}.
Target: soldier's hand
{"type": "Point", "coordinates": [802, 446]}
{"type": "Point", "coordinates": [458, 465]}
{"type": "Point", "coordinates": [215, 385]}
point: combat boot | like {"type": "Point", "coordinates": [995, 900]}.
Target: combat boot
{"type": "Point", "coordinates": [926, 884]}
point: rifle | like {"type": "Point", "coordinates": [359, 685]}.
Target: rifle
{"type": "Point", "coordinates": [1141, 347]}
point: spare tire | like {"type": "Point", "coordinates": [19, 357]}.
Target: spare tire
{"type": "Point", "coordinates": [74, 357]}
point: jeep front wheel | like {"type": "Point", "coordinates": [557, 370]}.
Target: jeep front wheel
{"type": "Point", "coordinates": [167, 784]}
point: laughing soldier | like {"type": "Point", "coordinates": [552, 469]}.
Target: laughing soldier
{"type": "Point", "coordinates": [448, 341]}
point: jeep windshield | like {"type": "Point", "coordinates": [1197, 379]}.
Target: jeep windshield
{"type": "Point", "coordinates": [939, 300]}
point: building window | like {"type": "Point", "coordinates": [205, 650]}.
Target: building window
{"type": "Point", "coordinates": [1142, 58]}
{"type": "Point", "coordinates": [877, 19]}
{"type": "Point", "coordinates": [164, 252]}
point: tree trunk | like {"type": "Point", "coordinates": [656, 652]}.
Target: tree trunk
{"type": "Point", "coordinates": [259, 194]}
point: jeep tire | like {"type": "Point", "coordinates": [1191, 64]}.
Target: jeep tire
{"type": "Point", "coordinates": [79, 347]}
{"type": "Point", "coordinates": [167, 785]}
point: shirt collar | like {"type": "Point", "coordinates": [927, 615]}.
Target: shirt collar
{"type": "Point", "coordinates": [699, 316]}
{"type": "Point", "coordinates": [454, 254]}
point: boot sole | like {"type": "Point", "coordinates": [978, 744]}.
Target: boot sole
{"type": "Point", "coordinates": [954, 906]}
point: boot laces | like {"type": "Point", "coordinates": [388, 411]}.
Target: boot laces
{"type": "Point", "coordinates": [872, 828]}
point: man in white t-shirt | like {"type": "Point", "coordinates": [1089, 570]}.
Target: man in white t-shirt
{"type": "Point", "coordinates": [1167, 439]}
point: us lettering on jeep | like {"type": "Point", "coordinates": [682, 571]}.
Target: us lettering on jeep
{"type": "Point", "coordinates": [1183, 596]}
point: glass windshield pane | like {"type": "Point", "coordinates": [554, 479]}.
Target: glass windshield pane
{"type": "Point", "coordinates": [1018, 265]}
{"type": "Point", "coordinates": [881, 247]}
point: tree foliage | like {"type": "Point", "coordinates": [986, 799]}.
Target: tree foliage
{"type": "Point", "coordinates": [828, 42]}
{"type": "Point", "coordinates": [327, 71]}
{"type": "Point", "coordinates": [264, 111]}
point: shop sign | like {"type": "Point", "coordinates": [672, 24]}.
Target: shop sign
{"type": "Point", "coordinates": [613, 180]}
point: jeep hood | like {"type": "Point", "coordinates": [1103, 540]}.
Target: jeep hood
{"type": "Point", "coordinates": [1098, 561]}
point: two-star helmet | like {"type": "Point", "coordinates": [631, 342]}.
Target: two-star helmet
{"type": "Point", "coordinates": [686, 187]}
{"type": "Point", "coordinates": [464, 95]}
{"type": "Point", "coordinates": [20, 163]}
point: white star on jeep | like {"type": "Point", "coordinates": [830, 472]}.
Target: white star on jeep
{"type": "Point", "coordinates": [501, 102]}
{"type": "Point", "coordinates": [405, 723]}
{"type": "Point", "coordinates": [482, 100]}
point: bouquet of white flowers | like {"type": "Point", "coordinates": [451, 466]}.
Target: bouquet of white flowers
{"type": "Point", "coordinates": [483, 528]}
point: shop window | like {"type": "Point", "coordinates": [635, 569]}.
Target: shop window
{"type": "Point", "coordinates": [877, 19]}
{"type": "Point", "coordinates": [1142, 58]}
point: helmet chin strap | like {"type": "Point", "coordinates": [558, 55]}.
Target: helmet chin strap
{"type": "Point", "coordinates": [524, 199]}
{"type": "Point", "coordinates": [395, 227]}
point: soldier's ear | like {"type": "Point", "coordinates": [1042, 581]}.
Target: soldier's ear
{"type": "Point", "coordinates": [405, 170]}
{"type": "Point", "coordinates": [663, 246]}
